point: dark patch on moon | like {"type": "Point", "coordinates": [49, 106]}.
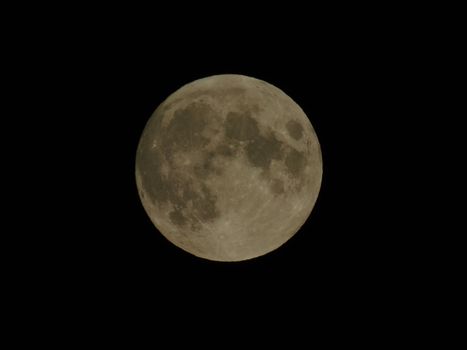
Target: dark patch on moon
{"type": "Point", "coordinates": [184, 130]}
{"type": "Point", "coordinates": [203, 203]}
{"type": "Point", "coordinates": [175, 191]}
{"type": "Point", "coordinates": [262, 150]}
{"type": "Point", "coordinates": [206, 167]}
{"type": "Point", "coordinates": [295, 162]}
{"type": "Point", "coordinates": [202, 170]}
{"type": "Point", "coordinates": [277, 186]}
{"type": "Point", "coordinates": [294, 129]}
{"type": "Point", "coordinates": [226, 150]}
{"type": "Point", "coordinates": [204, 206]}
{"type": "Point", "coordinates": [151, 176]}
{"type": "Point", "coordinates": [177, 218]}
{"type": "Point", "coordinates": [195, 224]}
{"type": "Point", "coordinates": [241, 126]}
{"type": "Point", "coordinates": [180, 193]}
{"type": "Point", "coordinates": [188, 193]}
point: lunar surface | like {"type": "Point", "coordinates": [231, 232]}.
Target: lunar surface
{"type": "Point", "coordinates": [228, 168]}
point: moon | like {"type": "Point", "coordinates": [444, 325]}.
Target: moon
{"type": "Point", "coordinates": [228, 168]}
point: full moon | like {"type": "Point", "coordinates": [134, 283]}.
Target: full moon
{"type": "Point", "coordinates": [228, 168]}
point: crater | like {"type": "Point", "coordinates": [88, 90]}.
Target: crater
{"type": "Point", "coordinates": [294, 129]}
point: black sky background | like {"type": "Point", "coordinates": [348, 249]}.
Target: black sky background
{"type": "Point", "coordinates": [99, 82]}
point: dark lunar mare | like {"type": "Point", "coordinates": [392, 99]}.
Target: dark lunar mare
{"type": "Point", "coordinates": [294, 129]}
